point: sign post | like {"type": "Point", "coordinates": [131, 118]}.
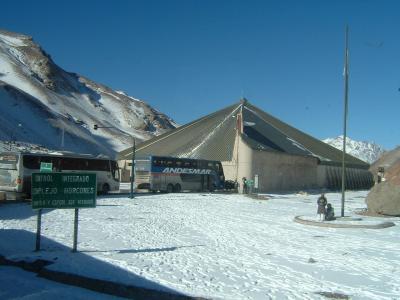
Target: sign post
{"type": "Point", "coordinates": [63, 190]}
{"type": "Point", "coordinates": [256, 183]}
{"type": "Point", "coordinates": [38, 229]}
{"type": "Point", "coordinates": [44, 168]}
{"type": "Point", "coordinates": [75, 230]}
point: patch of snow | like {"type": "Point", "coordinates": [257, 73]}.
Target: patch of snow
{"type": "Point", "coordinates": [12, 41]}
{"type": "Point", "coordinates": [366, 151]}
{"type": "Point", "coordinates": [215, 246]}
{"type": "Point", "coordinates": [300, 146]}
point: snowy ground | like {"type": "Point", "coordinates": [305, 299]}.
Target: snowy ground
{"type": "Point", "coordinates": [215, 246]}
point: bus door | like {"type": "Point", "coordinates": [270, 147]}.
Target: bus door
{"type": "Point", "coordinates": [158, 181]}
{"type": "Point", "coordinates": [212, 181]}
{"type": "Point", "coordinates": [202, 183]}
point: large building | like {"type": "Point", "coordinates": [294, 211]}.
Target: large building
{"type": "Point", "coordinates": [253, 144]}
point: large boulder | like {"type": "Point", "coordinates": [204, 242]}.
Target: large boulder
{"type": "Point", "coordinates": [384, 198]}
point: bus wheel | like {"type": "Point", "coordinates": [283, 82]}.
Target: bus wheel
{"type": "Point", "coordinates": [170, 188]}
{"type": "Point", "coordinates": [105, 189]}
{"type": "Point", "coordinates": [177, 188]}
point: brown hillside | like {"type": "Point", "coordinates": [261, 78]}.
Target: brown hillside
{"type": "Point", "coordinates": [384, 198]}
{"type": "Point", "coordinates": [391, 162]}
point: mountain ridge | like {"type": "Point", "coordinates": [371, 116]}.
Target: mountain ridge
{"type": "Point", "coordinates": [64, 106]}
{"type": "Point", "coordinates": [366, 151]}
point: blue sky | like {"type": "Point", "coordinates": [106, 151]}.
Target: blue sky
{"type": "Point", "coordinates": [190, 58]}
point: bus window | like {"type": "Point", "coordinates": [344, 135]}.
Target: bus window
{"type": "Point", "coordinates": [56, 163]}
{"type": "Point", "coordinates": [31, 162]}
{"type": "Point", "coordinates": [115, 170]}
{"type": "Point", "coordinates": [70, 163]}
{"type": "Point", "coordinates": [202, 164]}
{"type": "Point", "coordinates": [170, 163]}
{"type": "Point", "coordinates": [98, 165]}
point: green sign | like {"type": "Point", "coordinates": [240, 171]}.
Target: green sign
{"type": "Point", "coordinates": [63, 190]}
{"type": "Point", "coordinates": [46, 167]}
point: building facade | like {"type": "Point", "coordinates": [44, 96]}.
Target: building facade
{"type": "Point", "coordinates": [253, 144]}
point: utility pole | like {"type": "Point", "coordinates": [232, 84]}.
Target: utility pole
{"type": "Point", "coordinates": [62, 136]}
{"type": "Point", "coordinates": [346, 92]}
{"type": "Point", "coordinates": [133, 167]}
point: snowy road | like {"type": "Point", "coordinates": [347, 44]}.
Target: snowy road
{"type": "Point", "coordinates": [219, 246]}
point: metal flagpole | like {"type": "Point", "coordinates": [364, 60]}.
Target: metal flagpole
{"type": "Point", "coordinates": [346, 91]}
{"type": "Point", "coordinates": [133, 167]}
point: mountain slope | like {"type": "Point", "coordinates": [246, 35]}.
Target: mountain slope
{"type": "Point", "coordinates": [390, 161]}
{"type": "Point", "coordinates": [55, 107]}
{"type": "Point", "coordinates": [366, 151]}
{"type": "Point", "coordinates": [384, 196]}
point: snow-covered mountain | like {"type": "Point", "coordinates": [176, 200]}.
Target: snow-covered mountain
{"type": "Point", "coordinates": [366, 151]}
{"type": "Point", "coordinates": [41, 103]}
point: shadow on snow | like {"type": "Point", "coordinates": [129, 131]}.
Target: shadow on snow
{"type": "Point", "coordinates": [21, 244]}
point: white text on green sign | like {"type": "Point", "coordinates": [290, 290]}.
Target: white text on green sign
{"type": "Point", "coordinates": [63, 190]}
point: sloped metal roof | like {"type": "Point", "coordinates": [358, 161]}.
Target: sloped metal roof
{"type": "Point", "coordinates": [213, 137]}
{"type": "Point", "coordinates": [305, 144]}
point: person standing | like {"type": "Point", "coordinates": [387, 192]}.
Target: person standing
{"type": "Point", "coordinates": [245, 187]}
{"type": "Point", "coordinates": [321, 202]}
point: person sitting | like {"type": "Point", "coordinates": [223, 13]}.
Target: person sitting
{"type": "Point", "coordinates": [330, 214]}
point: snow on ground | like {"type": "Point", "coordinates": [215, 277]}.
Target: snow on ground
{"type": "Point", "coordinates": [216, 246]}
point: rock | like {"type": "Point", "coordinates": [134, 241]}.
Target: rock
{"type": "Point", "coordinates": [384, 198]}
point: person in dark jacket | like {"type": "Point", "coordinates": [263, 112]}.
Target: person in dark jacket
{"type": "Point", "coordinates": [245, 185]}
{"type": "Point", "coordinates": [321, 202]}
{"type": "Point", "coordinates": [330, 213]}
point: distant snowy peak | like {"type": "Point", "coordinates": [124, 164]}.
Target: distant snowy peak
{"type": "Point", "coordinates": [366, 151]}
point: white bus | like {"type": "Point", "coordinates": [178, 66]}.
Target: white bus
{"type": "Point", "coordinates": [16, 169]}
{"type": "Point", "coordinates": [172, 174]}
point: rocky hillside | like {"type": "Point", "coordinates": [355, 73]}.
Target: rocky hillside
{"type": "Point", "coordinates": [40, 103]}
{"type": "Point", "coordinates": [366, 151]}
{"type": "Point", "coordinates": [384, 198]}
{"type": "Point", "coordinates": [390, 161]}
